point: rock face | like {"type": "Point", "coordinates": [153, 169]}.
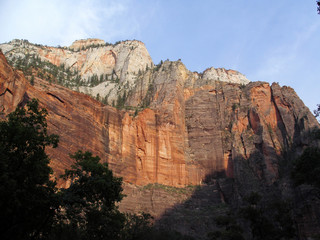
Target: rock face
{"type": "Point", "coordinates": [77, 118]}
{"type": "Point", "coordinates": [194, 127]}
{"type": "Point", "coordinates": [221, 74]}
{"type": "Point", "coordinates": [120, 66]}
{"type": "Point", "coordinates": [180, 127]}
{"type": "Point", "coordinates": [120, 62]}
{"type": "Point", "coordinates": [85, 43]}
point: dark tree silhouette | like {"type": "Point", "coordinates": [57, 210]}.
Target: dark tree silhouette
{"type": "Point", "coordinates": [317, 111]}
{"type": "Point", "coordinates": [90, 201]}
{"type": "Point", "coordinates": [307, 168]}
{"type": "Point", "coordinates": [28, 201]}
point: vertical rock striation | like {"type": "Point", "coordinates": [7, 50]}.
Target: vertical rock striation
{"type": "Point", "coordinates": [193, 128]}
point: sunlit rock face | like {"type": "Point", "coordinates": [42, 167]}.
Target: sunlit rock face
{"type": "Point", "coordinates": [191, 128]}
{"type": "Point", "coordinates": [221, 74]}
{"type": "Point", "coordinates": [120, 62]}
{"type": "Point", "coordinates": [84, 43]}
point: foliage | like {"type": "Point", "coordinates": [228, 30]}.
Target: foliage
{"type": "Point", "coordinates": [186, 190]}
{"type": "Point", "coordinates": [121, 100]}
{"type": "Point", "coordinates": [158, 66]}
{"type": "Point", "coordinates": [307, 168]}
{"type": "Point", "coordinates": [230, 229]}
{"type": "Point", "coordinates": [163, 234]}
{"type": "Point", "coordinates": [318, 3]}
{"type": "Point", "coordinates": [317, 111]}
{"type": "Point", "coordinates": [32, 208]}
{"type": "Point", "coordinates": [32, 65]}
{"type": "Point", "coordinates": [136, 226]}
{"type": "Point", "coordinates": [28, 200]}
{"type": "Point", "coordinates": [90, 200]}
{"type": "Point", "coordinates": [283, 219]}
{"type": "Point", "coordinates": [32, 80]}
{"type": "Point", "coordinates": [94, 80]}
{"type": "Point", "coordinates": [268, 220]}
{"type": "Point", "coordinates": [105, 100]}
{"type": "Point", "coordinates": [235, 106]}
{"type": "Point", "coordinates": [261, 227]}
{"type": "Point", "coordinates": [146, 101]}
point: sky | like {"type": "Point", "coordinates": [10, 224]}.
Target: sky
{"type": "Point", "coordinates": [266, 40]}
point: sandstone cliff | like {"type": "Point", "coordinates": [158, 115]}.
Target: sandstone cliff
{"type": "Point", "coordinates": [98, 68]}
{"type": "Point", "coordinates": [179, 128]}
{"type": "Point", "coordinates": [194, 126]}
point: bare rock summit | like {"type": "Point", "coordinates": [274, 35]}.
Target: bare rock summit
{"type": "Point", "coordinates": [83, 43]}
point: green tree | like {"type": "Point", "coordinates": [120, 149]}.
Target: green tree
{"type": "Point", "coordinates": [317, 111]}
{"type": "Point", "coordinates": [32, 80]}
{"type": "Point", "coordinates": [283, 220]}
{"type": "Point", "coordinates": [230, 230]}
{"type": "Point", "coordinates": [268, 221]}
{"type": "Point", "coordinates": [148, 97]}
{"type": "Point", "coordinates": [137, 227]}
{"type": "Point", "coordinates": [306, 168]}
{"type": "Point", "coordinates": [90, 201]}
{"type": "Point", "coordinates": [98, 97]}
{"type": "Point", "coordinates": [121, 100]}
{"type": "Point", "coordinates": [28, 201]}
{"type": "Point", "coordinates": [261, 226]}
{"type": "Point", "coordinates": [105, 100]}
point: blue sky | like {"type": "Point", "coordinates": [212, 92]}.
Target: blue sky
{"type": "Point", "coordinates": [267, 40]}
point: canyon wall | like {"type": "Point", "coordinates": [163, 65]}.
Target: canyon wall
{"type": "Point", "coordinates": [214, 130]}
{"type": "Point", "coordinates": [194, 127]}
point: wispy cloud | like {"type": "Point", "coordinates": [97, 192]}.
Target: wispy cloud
{"type": "Point", "coordinates": [285, 57]}
{"type": "Point", "coordinates": [61, 22]}
{"type": "Point", "coordinates": [92, 19]}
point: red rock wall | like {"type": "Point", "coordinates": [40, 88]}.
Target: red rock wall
{"type": "Point", "coordinates": [191, 131]}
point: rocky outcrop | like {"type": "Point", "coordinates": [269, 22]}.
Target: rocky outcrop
{"type": "Point", "coordinates": [118, 67]}
{"type": "Point", "coordinates": [115, 63]}
{"type": "Point", "coordinates": [192, 129]}
{"type": "Point", "coordinates": [85, 43]}
{"type": "Point", "coordinates": [221, 74]}
{"type": "Point", "coordinates": [13, 86]}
